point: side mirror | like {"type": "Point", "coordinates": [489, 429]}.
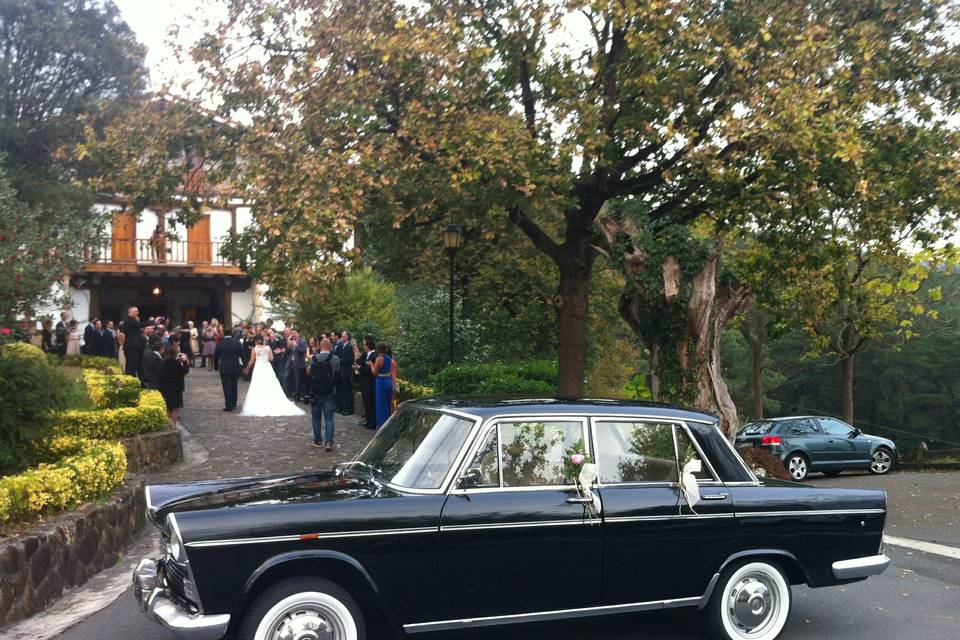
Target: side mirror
{"type": "Point", "coordinates": [856, 432]}
{"type": "Point", "coordinates": [471, 477]}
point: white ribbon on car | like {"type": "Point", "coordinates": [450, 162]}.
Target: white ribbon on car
{"type": "Point", "coordinates": [588, 474]}
{"type": "Point", "coordinates": [688, 482]}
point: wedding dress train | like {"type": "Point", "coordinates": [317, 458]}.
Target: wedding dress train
{"type": "Point", "coordinates": [265, 396]}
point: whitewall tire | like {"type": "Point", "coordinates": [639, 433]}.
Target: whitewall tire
{"type": "Point", "coordinates": [303, 608]}
{"type": "Point", "coordinates": [752, 602]}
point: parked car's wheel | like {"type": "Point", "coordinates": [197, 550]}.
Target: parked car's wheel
{"type": "Point", "coordinates": [303, 608]}
{"type": "Point", "coordinates": [882, 461]}
{"type": "Point", "coordinates": [798, 466]}
{"type": "Point", "coordinates": [752, 602]}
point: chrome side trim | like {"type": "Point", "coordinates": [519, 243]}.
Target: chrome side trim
{"type": "Point", "coordinates": [691, 516]}
{"type": "Point", "coordinates": [312, 536]}
{"type": "Point", "coordinates": [514, 525]}
{"type": "Point", "coordinates": [860, 567]}
{"type": "Point", "coordinates": [820, 512]}
{"type": "Point", "coordinates": [543, 616]}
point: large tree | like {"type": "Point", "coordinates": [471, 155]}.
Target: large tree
{"type": "Point", "coordinates": [66, 67]}
{"type": "Point", "coordinates": [543, 112]}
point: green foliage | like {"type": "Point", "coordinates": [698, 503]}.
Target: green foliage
{"type": "Point", "coordinates": [77, 471]}
{"type": "Point", "coordinates": [105, 365]}
{"type": "Point", "coordinates": [637, 388]}
{"type": "Point", "coordinates": [407, 390]}
{"type": "Point", "coordinates": [537, 378]}
{"type": "Point", "coordinates": [31, 391]}
{"type": "Point", "coordinates": [149, 414]}
{"type": "Point", "coordinates": [422, 347]}
{"type": "Point", "coordinates": [108, 391]}
{"type": "Point", "coordinates": [361, 302]}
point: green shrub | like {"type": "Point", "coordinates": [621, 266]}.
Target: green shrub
{"type": "Point", "coordinates": [107, 365]}
{"type": "Point", "coordinates": [30, 392]}
{"type": "Point", "coordinates": [150, 414]}
{"type": "Point", "coordinates": [764, 463]}
{"type": "Point", "coordinates": [535, 377]}
{"type": "Point", "coordinates": [407, 390]}
{"type": "Point", "coordinates": [89, 470]}
{"type": "Point", "coordinates": [512, 384]}
{"type": "Point", "coordinates": [111, 391]}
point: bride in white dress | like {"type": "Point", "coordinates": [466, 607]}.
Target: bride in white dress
{"type": "Point", "coordinates": [265, 396]}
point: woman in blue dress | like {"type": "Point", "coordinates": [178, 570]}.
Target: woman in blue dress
{"type": "Point", "coordinates": [383, 368]}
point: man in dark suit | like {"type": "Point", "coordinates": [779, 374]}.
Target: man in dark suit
{"type": "Point", "coordinates": [134, 343]}
{"type": "Point", "coordinates": [367, 382]}
{"type": "Point", "coordinates": [296, 364]}
{"type": "Point", "coordinates": [228, 360]}
{"type": "Point", "coordinates": [346, 374]}
{"type": "Point", "coordinates": [108, 341]}
{"type": "Point", "coordinates": [91, 338]}
{"type": "Point", "coordinates": [337, 348]}
{"type": "Point", "coordinates": [152, 364]}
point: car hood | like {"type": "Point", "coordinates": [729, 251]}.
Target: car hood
{"type": "Point", "coordinates": [255, 491]}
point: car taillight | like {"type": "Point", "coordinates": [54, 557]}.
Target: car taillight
{"type": "Point", "coordinates": [770, 440]}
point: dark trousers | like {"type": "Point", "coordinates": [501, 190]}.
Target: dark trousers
{"type": "Point", "coordinates": [345, 392]}
{"type": "Point", "coordinates": [322, 409]}
{"type": "Point", "coordinates": [229, 383]}
{"type": "Point", "coordinates": [134, 365]}
{"type": "Point", "coordinates": [369, 400]}
{"type": "Point", "coordinates": [292, 381]}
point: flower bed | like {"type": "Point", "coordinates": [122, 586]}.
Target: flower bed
{"type": "Point", "coordinates": [80, 471]}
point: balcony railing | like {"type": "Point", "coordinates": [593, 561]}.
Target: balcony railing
{"type": "Point", "coordinates": [169, 252]}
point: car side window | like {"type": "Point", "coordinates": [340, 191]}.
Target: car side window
{"type": "Point", "coordinates": [801, 427]}
{"type": "Point", "coordinates": [533, 453]}
{"type": "Point", "coordinates": [635, 452]}
{"type": "Point", "coordinates": [833, 427]}
{"type": "Point", "coordinates": [689, 452]}
{"type": "Point", "coordinates": [487, 460]}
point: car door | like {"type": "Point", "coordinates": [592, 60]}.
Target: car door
{"type": "Point", "coordinates": [845, 449]}
{"type": "Point", "coordinates": [515, 539]}
{"type": "Point", "coordinates": [655, 546]}
{"type": "Point", "coordinates": [803, 434]}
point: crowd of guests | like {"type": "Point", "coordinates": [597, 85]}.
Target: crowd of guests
{"type": "Point", "coordinates": [321, 371]}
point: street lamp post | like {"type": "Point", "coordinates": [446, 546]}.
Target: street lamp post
{"type": "Point", "coordinates": [452, 239]}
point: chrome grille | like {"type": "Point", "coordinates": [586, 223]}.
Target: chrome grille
{"type": "Point", "coordinates": [175, 578]}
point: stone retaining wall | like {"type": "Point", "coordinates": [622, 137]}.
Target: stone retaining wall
{"type": "Point", "coordinates": [153, 452]}
{"type": "Point", "coordinates": [66, 551]}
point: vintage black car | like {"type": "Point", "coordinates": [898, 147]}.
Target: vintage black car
{"type": "Point", "coordinates": [464, 513]}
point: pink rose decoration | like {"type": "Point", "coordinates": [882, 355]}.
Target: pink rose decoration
{"type": "Point", "coordinates": [577, 458]}
{"type": "Point", "coordinates": [5, 331]}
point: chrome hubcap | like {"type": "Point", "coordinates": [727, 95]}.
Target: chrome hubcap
{"type": "Point", "coordinates": [753, 604]}
{"type": "Point", "coordinates": [304, 624]}
{"type": "Point", "coordinates": [798, 468]}
{"type": "Point", "coordinates": [881, 462]}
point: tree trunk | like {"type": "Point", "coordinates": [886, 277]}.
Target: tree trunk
{"type": "Point", "coordinates": [756, 382]}
{"type": "Point", "coordinates": [572, 307]}
{"type": "Point", "coordinates": [686, 366]}
{"type": "Point", "coordinates": [847, 364]}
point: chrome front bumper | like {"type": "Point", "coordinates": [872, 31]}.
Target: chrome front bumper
{"type": "Point", "coordinates": [860, 567]}
{"type": "Point", "coordinates": [153, 601]}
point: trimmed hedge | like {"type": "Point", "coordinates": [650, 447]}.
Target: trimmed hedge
{"type": "Point", "coordinates": [90, 362]}
{"type": "Point", "coordinates": [111, 391]}
{"type": "Point", "coordinates": [536, 377]}
{"type": "Point", "coordinates": [149, 414]}
{"type": "Point", "coordinates": [407, 390]}
{"type": "Point", "coordinates": [89, 470]}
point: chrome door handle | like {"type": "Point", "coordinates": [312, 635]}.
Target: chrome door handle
{"type": "Point", "coordinates": [579, 500]}
{"type": "Point", "coordinates": [718, 496]}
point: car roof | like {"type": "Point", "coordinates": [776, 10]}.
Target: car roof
{"type": "Point", "coordinates": [490, 406]}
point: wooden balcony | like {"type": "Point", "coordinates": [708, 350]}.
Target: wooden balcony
{"type": "Point", "coordinates": [133, 255]}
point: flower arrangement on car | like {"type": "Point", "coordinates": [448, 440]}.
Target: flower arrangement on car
{"type": "Point", "coordinates": [580, 469]}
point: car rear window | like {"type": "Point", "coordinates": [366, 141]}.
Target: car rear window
{"type": "Point", "coordinates": [756, 428]}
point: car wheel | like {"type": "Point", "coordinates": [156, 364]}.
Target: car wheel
{"type": "Point", "coordinates": [752, 602]}
{"type": "Point", "coordinates": [798, 466]}
{"type": "Point", "coordinates": [881, 462]}
{"type": "Point", "coordinates": [303, 608]}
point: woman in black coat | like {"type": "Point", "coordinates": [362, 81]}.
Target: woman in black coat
{"type": "Point", "coordinates": [173, 370]}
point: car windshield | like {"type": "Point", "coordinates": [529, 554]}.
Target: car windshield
{"type": "Point", "coordinates": [416, 449]}
{"type": "Point", "coordinates": [755, 428]}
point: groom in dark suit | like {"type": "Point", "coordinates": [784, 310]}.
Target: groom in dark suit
{"type": "Point", "coordinates": [228, 360]}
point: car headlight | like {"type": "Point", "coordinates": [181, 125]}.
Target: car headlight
{"type": "Point", "coordinates": [176, 543]}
